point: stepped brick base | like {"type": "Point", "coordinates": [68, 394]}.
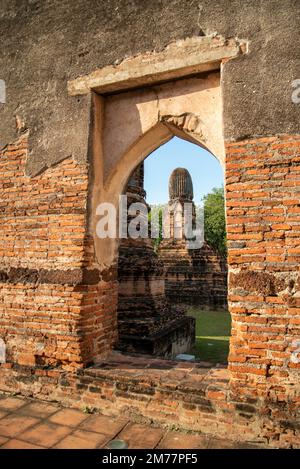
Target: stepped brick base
{"type": "Point", "coordinates": [195, 277]}
{"type": "Point", "coordinates": [177, 337]}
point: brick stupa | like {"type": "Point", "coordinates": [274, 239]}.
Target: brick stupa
{"type": "Point", "coordinates": [192, 276]}
{"type": "Point", "coordinates": [146, 321]}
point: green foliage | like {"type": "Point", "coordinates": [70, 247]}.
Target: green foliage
{"type": "Point", "coordinates": [214, 220]}
{"type": "Point", "coordinates": [160, 229]}
{"type": "Point", "coordinates": [156, 214]}
{"type": "Point", "coordinates": [212, 334]}
{"type": "Point", "coordinates": [88, 410]}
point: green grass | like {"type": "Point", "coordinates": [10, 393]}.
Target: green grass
{"type": "Point", "coordinates": [212, 334]}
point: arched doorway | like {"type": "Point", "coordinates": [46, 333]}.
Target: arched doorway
{"type": "Point", "coordinates": [131, 125]}
{"type": "Point", "coordinates": [162, 284]}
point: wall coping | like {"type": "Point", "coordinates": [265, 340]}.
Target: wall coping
{"type": "Point", "coordinates": [178, 59]}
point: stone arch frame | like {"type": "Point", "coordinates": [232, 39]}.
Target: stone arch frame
{"type": "Point", "coordinates": [157, 114]}
{"type": "Point", "coordinates": [186, 126]}
{"type": "Point", "coordinates": [263, 392]}
{"type": "Point", "coordinates": [158, 136]}
{"type": "Point", "coordinates": [116, 183]}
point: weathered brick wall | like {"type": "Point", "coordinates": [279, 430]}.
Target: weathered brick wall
{"type": "Point", "coordinates": [263, 225]}
{"type": "Point", "coordinates": [54, 306]}
{"type": "Point", "coordinates": [59, 311]}
{"type": "Point", "coordinates": [180, 395]}
{"type": "Point", "coordinates": [195, 276]}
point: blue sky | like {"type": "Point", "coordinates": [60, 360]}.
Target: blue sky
{"type": "Point", "coordinates": [204, 168]}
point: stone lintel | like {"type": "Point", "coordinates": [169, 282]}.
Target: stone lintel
{"type": "Point", "coordinates": [179, 59]}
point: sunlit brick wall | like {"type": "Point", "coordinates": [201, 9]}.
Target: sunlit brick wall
{"type": "Point", "coordinates": [54, 307]}
{"type": "Point", "coordinates": [263, 225]}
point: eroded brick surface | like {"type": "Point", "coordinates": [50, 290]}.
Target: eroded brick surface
{"type": "Point", "coordinates": [54, 322]}
{"type": "Point", "coordinates": [54, 310]}
{"type": "Point", "coordinates": [262, 184]}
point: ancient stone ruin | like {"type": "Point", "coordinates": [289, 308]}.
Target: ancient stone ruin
{"type": "Point", "coordinates": [91, 89]}
{"type": "Point", "coordinates": [192, 276]}
{"type": "Point", "coordinates": [146, 321]}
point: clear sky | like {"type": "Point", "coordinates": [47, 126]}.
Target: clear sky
{"type": "Point", "coordinates": [204, 168]}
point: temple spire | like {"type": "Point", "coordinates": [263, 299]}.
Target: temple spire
{"type": "Point", "coordinates": [181, 185]}
{"type": "Point", "coordinates": [180, 193]}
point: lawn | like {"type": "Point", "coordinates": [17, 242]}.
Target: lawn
{"type": "Point", "coordinates": [212, 334]}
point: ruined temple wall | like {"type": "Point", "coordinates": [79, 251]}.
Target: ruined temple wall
{"type": "Point", "coordinates": [262, 185]}
{"type": "Point", "coordinates": [194, 277]}
{"type": "Point", "coordinates": [44, 44]}
{"type": "Point", "coordinates": [54, 307]}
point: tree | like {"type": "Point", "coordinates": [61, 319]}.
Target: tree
{"type": "Point", "coordinates": [156, 214]}
{"type": "Point", "coordinates": [214, 220]}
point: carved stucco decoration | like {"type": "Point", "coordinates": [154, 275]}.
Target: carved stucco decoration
{"type": "Point", "coordinates": [187, 122]}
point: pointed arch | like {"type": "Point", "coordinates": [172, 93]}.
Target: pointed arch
{"type": "Point", "coordinates": [187, 126]}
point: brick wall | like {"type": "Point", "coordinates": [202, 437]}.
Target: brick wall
{"type": "Point", "coordinates": [58, 310]}
{"type": "Point", "coordinates": [176, 395]}
{"type": "Point", "coordinates": [195, 277]}
{"type": "Point", "coordinates": [263, 225]}
{"type": "Point", "coordinates": [55, 309]}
